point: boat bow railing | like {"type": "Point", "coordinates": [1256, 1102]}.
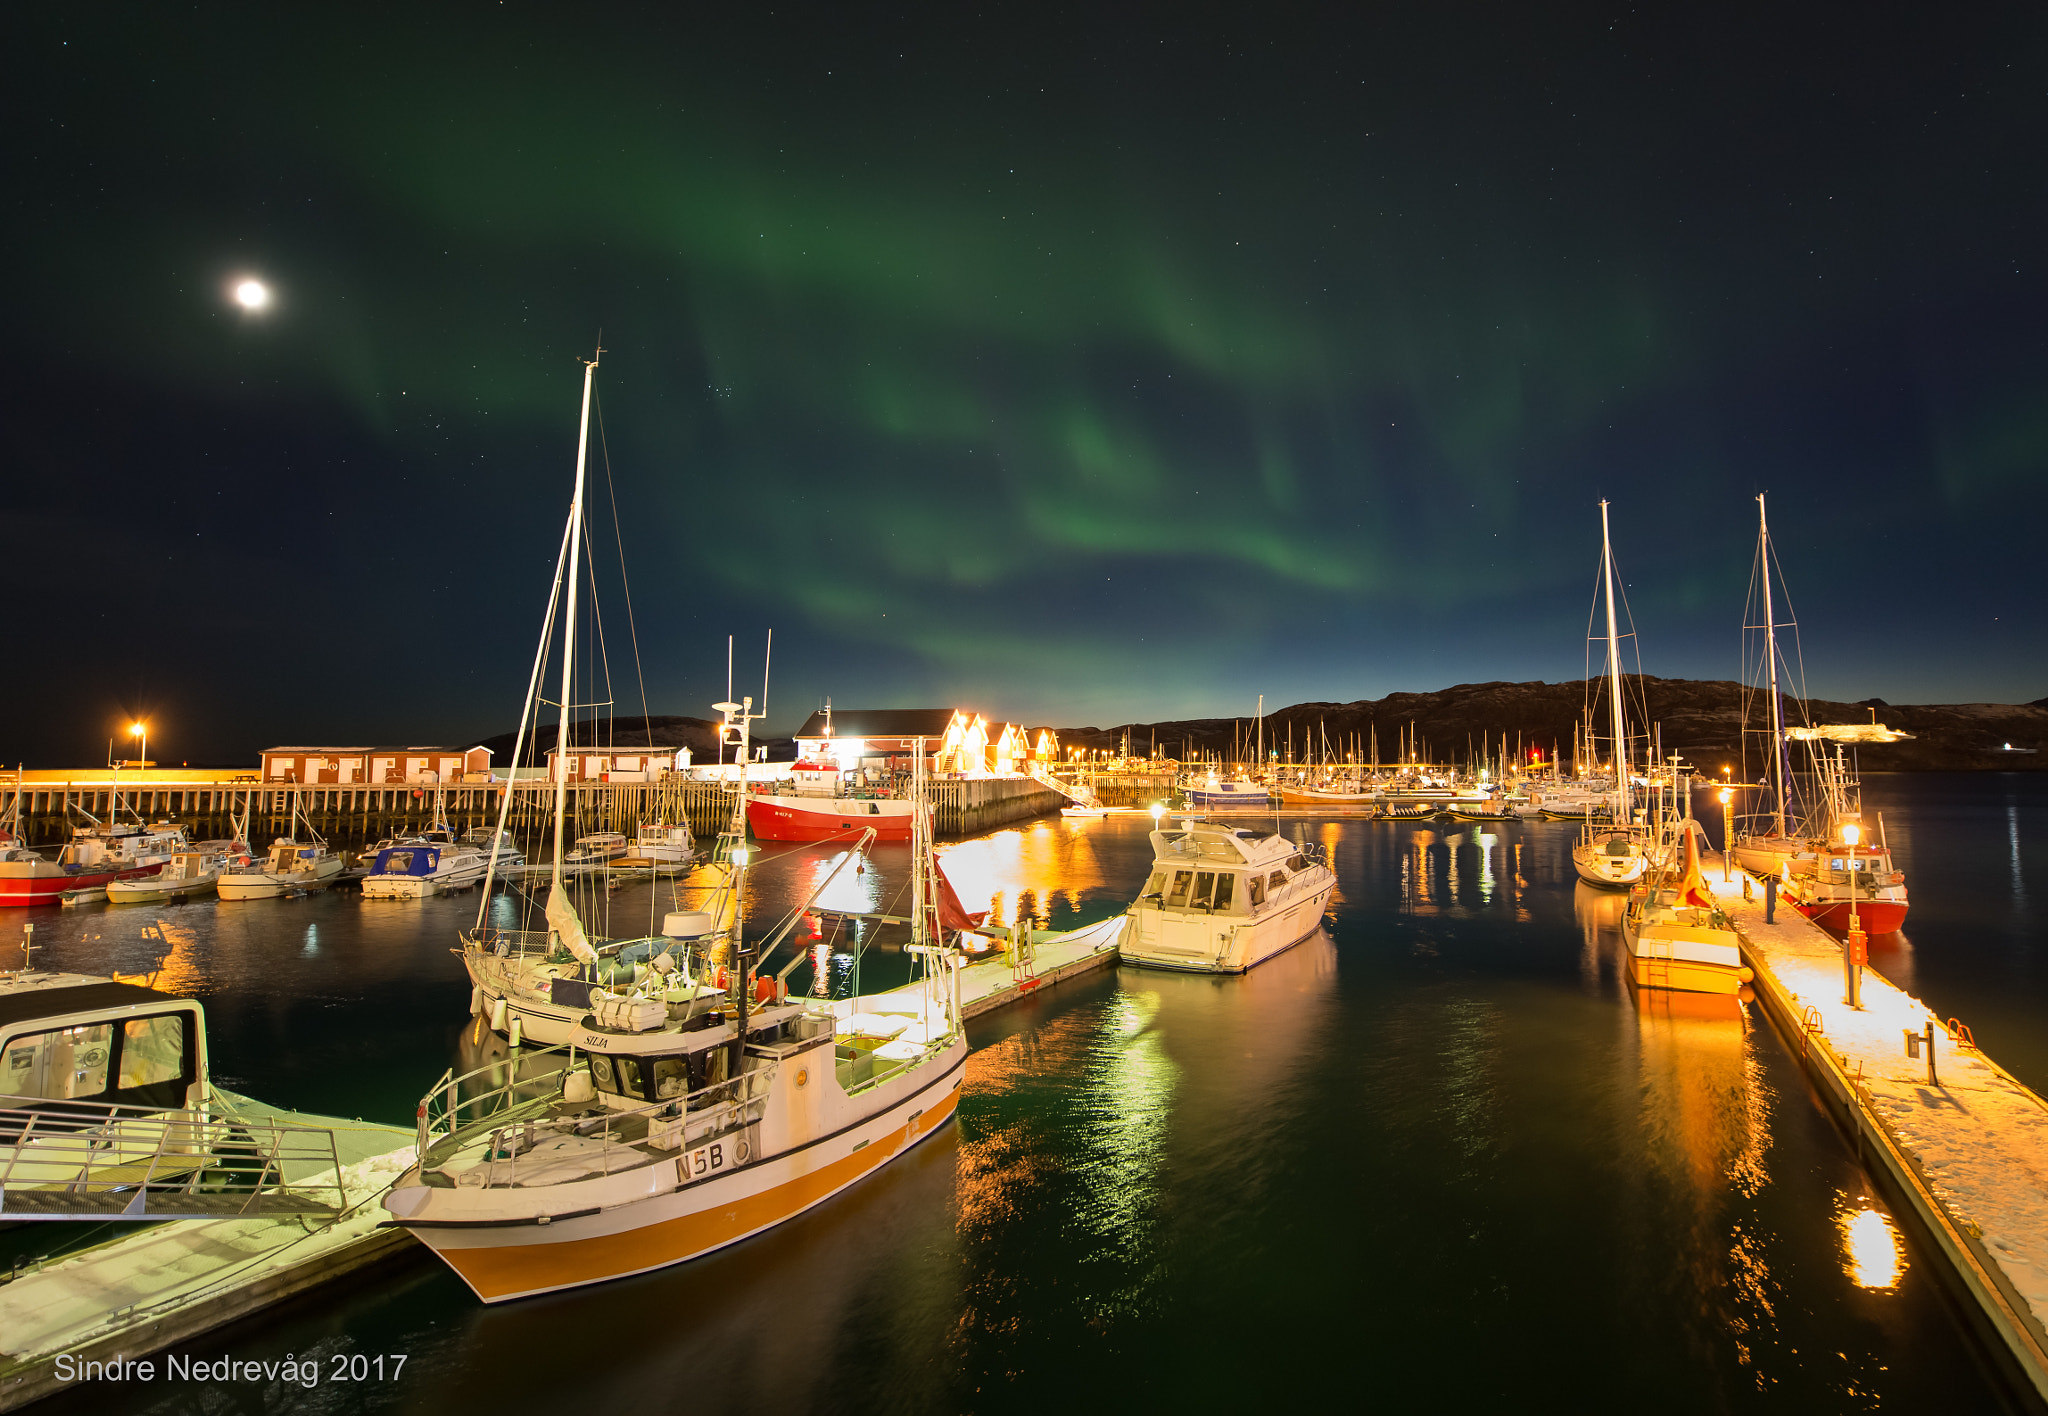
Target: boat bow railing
{"type": "Point", "coordinates": [514, 1115]}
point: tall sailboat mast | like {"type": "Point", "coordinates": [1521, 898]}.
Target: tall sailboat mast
{"type": "Point", "coordinates": [1623, 814]}
{"type": "Point", "coordinates": [1763, 551]}
{"type": "Point", "coordinates": [569, 622]}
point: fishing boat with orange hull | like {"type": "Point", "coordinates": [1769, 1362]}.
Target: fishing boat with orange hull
{"type": "Point", "coordinates": [607, 1158]}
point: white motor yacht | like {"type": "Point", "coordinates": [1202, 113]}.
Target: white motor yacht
{"type": "Point", "coordinates": [1221, 899]}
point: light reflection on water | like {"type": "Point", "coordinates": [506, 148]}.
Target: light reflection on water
{"type": "Point", "coordinates": [1443, 1145]}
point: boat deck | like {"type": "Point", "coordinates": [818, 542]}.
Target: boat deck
{"type": "Point", "coordinates": [1963, 1159]}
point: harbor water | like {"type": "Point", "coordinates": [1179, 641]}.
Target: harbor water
{"type": "Point", "coordinates": [1437, 1157]}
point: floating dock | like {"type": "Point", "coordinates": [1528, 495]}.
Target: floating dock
{"type": "Point", "coordinates": [1962, 1159]}
{"type": "Point", "coordinates": [154, 1286]}
{"type": "Point", "coordinates": [1054, 959]}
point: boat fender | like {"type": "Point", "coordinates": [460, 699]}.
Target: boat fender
{"type": "Point", "coordinates": [1746, 974]}
{"type": "Point", "coordinates": [515, 1038]}
{"type": "Point", "coordinates": [498, 1016]}
{"type": "Point", "coordinates": [577, 1088]}
{"type": "Point", "coordinates": [476, 1000]}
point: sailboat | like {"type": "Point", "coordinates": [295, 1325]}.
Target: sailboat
{"type": "Point", "coordinates": [1833, 868]}
{"type": "Point", "coordinates": [1766, 851]}
{"type": "Point", "coordinates": [1678, 936]}
{"type": "Point", "coordinates": [1614, 858]}
{"type": "Point", "coordinates": [666, 1130]}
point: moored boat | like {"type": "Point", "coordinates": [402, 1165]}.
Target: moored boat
{"type": "Point", "coordinates": [416, 870]}
{"type": "Point", "coordinates": [807, 817]}
{"type": "Point", "coordinates": [186, 874]}
{"type": "Point", "coordinates": [1222, 899]}
{"type": "Point", "coordinates": [1613, 859]}
{"type": "Point", "coordinates": [289, 867]}
{"type": "Point", "coordinates": [1676, 935]}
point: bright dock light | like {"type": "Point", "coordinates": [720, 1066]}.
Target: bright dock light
{"type": "Point", "coordinates": [252, 294]}
{"type": "Point", "coordinates": [1852, 833]}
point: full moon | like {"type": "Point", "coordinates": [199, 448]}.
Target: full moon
{"type": "Point", "coordinates": [252, 295]}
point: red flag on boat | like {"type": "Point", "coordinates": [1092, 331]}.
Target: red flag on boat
{"type": "Point", "coordinates": [953, 914]}
{"type": "Point", "coordinates": [1693, 887]}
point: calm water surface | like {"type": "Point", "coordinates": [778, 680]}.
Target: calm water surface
{"type": "Point", "coordinates": [1436, 1158]}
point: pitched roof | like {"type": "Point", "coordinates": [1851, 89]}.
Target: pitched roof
{"type": "Point", "coordinates": [880, 722]}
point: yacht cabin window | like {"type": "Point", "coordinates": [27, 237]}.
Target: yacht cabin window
{"type": "Point", "coordinates": [1157, 883]}
{"type": "Point", "coordinates": [1205, 885]}
{"type": "Point", "coordinates": [1298, 864]}
{"type": "Point", "coordinates": [60, 1065]}
{"type": "Point", "coordinates": [1179, 894]}
{"type": "Point", "coordinates": [148, 1061]}
{"type": "Point", "coordinates": [1226, 887]}
{"type": "Point", "coordinates": [1258, 890]}
{"type": "Point", "coordinates": [1277, 880]}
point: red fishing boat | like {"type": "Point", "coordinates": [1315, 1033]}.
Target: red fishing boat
{"type": "Point", "coordinates": [95, 856]}
{"type": "Point", "coordinates": [822, 805]}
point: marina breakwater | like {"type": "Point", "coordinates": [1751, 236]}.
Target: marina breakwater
{"type": "Point", "coordinates": [352, 815]}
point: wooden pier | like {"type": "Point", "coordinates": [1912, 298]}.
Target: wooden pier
{"type": "Point", "coordinates": [353, 814]}
{"type": "Point", "coordinates": [1957, 1146]}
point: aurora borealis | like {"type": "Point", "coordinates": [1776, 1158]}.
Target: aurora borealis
{"type": "Point", "coordinates": [1083, 365]}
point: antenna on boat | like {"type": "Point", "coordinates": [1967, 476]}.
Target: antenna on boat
{"type": "Point", "coordinates": [766, 659]}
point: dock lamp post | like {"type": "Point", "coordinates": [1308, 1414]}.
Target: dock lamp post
{"type": "Point", "coordinates": [1856, 947]}
{"type": "Point", "coordinates": [1727, 833]}
{"type": "Point", "coordinates": [141, 731]}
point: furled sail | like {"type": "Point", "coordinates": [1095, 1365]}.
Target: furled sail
{"type": "Point", "coordinates": [567, 927]}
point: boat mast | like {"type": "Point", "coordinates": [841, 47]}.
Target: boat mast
{"type": "Point", "coordinates": [1763, 552]}
{"type": "Point", "coordinates": [569, 622]}
{"type": "Point", "coordinates": [1614, 678]}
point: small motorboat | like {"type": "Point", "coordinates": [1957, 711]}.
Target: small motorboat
{"type": "Point", "coordinates": [186, 874]}
{"type": "Point", "coordinates": [597, 848]}
{"type": "Point", "coordinates": [288, 869]}
{"type": "Point", "coordinates": [414, 871]}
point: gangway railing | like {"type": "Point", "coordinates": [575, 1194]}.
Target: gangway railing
{"type": "Point", "coordinates": [95, 1160]}
{"type": "Point", "coordinates": [1080, 793]}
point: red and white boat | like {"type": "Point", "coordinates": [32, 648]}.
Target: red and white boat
{"type": "Point", "coordinates": [95, 857]}
{"type": "Point", "coordinates": [825, 802]}
{"type": "Point", "coordinates": [1847, 878]}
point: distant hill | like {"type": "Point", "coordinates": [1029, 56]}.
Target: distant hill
{"type": "Point", "coordinates": [1700, 719]}
{"type": "Point", "coordinates": [700, 735]}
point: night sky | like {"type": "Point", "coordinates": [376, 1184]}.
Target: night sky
{"type": "Point", "coordinates": [1079, 365]}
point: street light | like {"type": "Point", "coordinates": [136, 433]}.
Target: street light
{"type": "Point", "coordinates": [141, 730]}
{"type": "Point", "coordinates": [1856, 948]}
{"type": "Point", "coordinates": [1727, 831]}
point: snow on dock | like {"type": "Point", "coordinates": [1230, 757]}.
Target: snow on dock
{"type": "Point", "coordinates": [158, 1285]}
{"type": "Point", "coordinates": [987, 986]}
{"type": "Point", "coordinates": [1963, 1158]}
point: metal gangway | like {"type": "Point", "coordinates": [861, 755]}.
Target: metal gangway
{"type": "Point", "coordinates": [1078, 792]}
{"type": "Point", "coordinates": [85, 1160]}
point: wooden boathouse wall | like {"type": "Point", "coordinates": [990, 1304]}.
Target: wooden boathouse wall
{"type": "Point", "coordinates": [354, 815]}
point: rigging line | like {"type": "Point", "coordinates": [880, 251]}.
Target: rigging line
{"type": "Point", "coordinates": [619, 536]}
